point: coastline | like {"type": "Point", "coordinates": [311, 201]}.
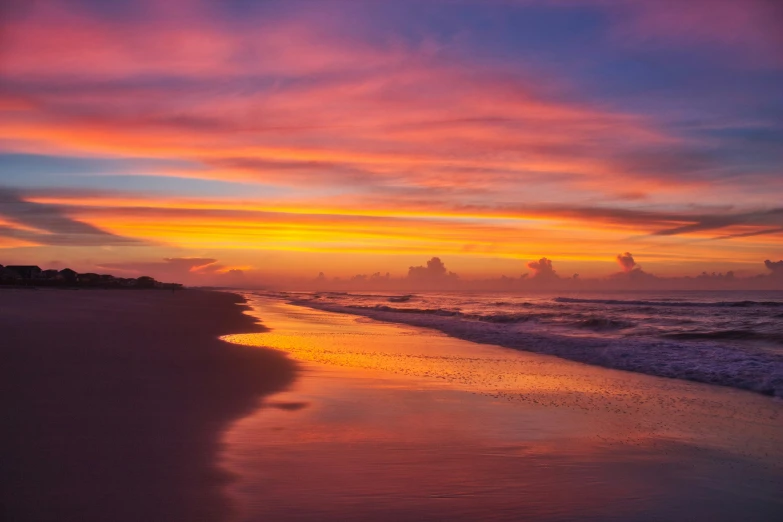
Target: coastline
{"type": "Point", "coordinates": [116, 402]}
{"type": "Point", "coordinates": [394, 422]}
{"type": "Point", "coordinates": [132, 406]}
{"type": "Point", "coordinates": [757, 373]}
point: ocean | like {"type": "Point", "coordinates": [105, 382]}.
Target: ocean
{"type": "Point", "coordinates": [725, 338]}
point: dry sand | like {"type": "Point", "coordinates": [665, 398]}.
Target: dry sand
{"type": "Point", "coordinates": [114, 402]}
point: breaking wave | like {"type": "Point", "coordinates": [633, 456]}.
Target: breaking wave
{"type": "Point", "coordinates": [626, 341]}
{"type": "Point", "coordinates": [737, 335]}
{"type": "Point", "coordinates": [708, 304]}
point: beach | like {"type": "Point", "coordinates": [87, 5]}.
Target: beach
{"type": "Point", "coordinates": [396, 422]}
{"type": "Point", "coordinates": [114, 402]}
{"type": "Point", "coordinates": [391, 261]}
{"type": "Point", "coordinates": [207, 406]}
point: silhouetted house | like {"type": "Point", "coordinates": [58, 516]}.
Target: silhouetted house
{"type": "Point", "coordinates": [89, 278]}
{"type": "Point", "coordinates": [69, 275]}
{"type": "Point", "coordinates": [8, 275]}
{"type": "Point", "coordinates": [51, 275]}
{"type": "Point", "coordinates": [145, 282]}
{"type": "Point", "coordinates": [30, 275]}
{"type": "Point", "coordinates": [25, 271]}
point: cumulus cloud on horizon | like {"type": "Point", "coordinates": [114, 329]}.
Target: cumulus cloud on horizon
{"type": "Point", "coordinates": [434, 271]}
{"type": "Point", "coordinates": [542, 269]}
{"type": "Point", "coordinates": [626, 261]}
{"type": "Point", "coordinates": [776, 267]}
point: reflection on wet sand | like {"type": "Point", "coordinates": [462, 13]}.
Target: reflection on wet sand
{"type": "Point", "coordinates": [398, 423]}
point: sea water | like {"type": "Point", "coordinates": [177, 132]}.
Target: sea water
{"type": "Point", "coordinates": [727, 338]}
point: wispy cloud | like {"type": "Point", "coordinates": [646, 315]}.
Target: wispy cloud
{"type": "Point", "coordinates": [190, 270]}
{"type": "Point", "coordinates": [748, 31]}
{"type": "Point", "coordinates": [42, 224]}
{"type": "Point", "coordinates": [404, 130]}
{"type": "Point", "coordinates": [722, 221]}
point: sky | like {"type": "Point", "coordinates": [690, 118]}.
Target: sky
{"type": "Point", "coordinates": [279, 139]}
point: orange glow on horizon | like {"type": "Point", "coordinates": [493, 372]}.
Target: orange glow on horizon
{"type": "Point", "coordinates": [210, 136]}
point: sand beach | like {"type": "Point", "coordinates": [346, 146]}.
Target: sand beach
{"type": "Point", "coordinates": [114, 402]}
{"type": "Point", "coordinates": [192, 406]}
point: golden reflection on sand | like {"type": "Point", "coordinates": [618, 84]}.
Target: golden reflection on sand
{"type": "Point", "coordinates": [380, 426]}
{"type": "Point", "coordinates": [636, 405]}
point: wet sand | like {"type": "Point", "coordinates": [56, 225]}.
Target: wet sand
{"type": "Point", "coordinates": [392, 422]}
{"type": "Point", "coordinates": [115, 402]}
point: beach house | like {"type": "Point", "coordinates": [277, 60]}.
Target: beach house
{"type": "Point", "coordinates": [25, 271]}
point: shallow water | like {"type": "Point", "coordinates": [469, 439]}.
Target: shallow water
{"type": "Point", "coordinates": [729, 338]}
{"type": "Point", "coordinates": [393, 422]}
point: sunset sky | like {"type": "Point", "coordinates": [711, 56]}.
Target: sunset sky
{"type": "Point", "coordinates": [293, 137]}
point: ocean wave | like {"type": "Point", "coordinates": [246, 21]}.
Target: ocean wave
{"type": "Point", "coordinates": [730, 335]}
{"type": "Point", "coordinates": [400, 298]}
{"type": "Point", "coordinates": [386, 308]}
{"type": "Point", "coordinates": [604, 324]}
{"type": "Point", "coordinates": [631, 302]}
{"type": "Point", "coordinates": [503, 318]}
{"type": "Point", "coordinates": [717, 362]}
{"type": "Point", "coordinates": [496, 317]}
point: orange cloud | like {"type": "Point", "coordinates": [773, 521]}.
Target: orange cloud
{"type": "Point", "coordinates": [377, 145]}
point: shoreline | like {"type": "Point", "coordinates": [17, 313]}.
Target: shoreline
{"type": "Point", "coordinates": [355, 342]}
{"type": "Point", "coordinates": [671, 365]}
{"type": "Point", "coordinates": [153, 406]}
{"type": "Point", "coordinates": [116, 402]}
{"type": "Point", "coordinates": [394, 422]}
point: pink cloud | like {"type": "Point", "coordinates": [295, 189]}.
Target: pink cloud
{"type": "Point", "coordinates": [298, 101]}
{"type": "Point", "coordinates": [53, 38]}
{"type": "Point", "coordinates": [301, 102]}
{"type": "Point", "coordinates": [746, 31]}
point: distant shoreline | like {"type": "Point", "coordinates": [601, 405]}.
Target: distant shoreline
{"type": "Point", "coordinates": [33, 275]}
{"type": "Point", "coordinates": [34, 286]}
